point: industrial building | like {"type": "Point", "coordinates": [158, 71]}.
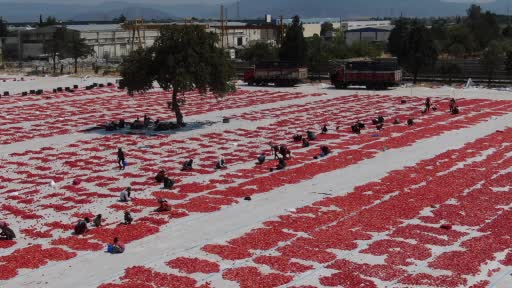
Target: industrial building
{"type": "Point", "coordinates": [112, 41]}
{"type": "Point", "coordinates": [368, 34]}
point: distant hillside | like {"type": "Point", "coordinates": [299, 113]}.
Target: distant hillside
{"type": "Point", "coordinates": [16, 12]}
{"type": "Point", "coordinates": [359, 8]}
{"type": "Point", "coordinates": [131, 12]}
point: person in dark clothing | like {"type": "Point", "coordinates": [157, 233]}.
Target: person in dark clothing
{"type": "Point", "coordinates": [285, 152]}
{"type": "Point", "coordinates": [410, 122]}
{"type": "Point", "coordinates": [455, 110]}
{"type": "Point", "coordinates": [261, 158]}
{"type": "Point", "coordinates": [428, 104]}
{"type": "Point", "coordinates": [121, 124]}
{"type": "Point", "coordinates": [324, 129]}
{"type": "Point", "coordinates": [324, 151]}
{"type": "Point", "coordinates": [159, 178]}
{"type": "Point", "coordinates": [275, 150]}
{"type": "Point", "coordinates": [163, 206]}
{"type": "Point", "coordinates": [282, 164]}
{"type": "Point", "coordinates": [117, 247]}
{"type": "Point", "coordinates": [81, 226]}
{"type": "Point", "coordinates": [120, 158]}
{"type": "Point", "coordinates": [452, 104]}
{"type": "Point", "coordinates": [380, 126]}
{"type": "Point", "coordinates": [305, 143]}
{"type": "Point", "coordinates": [221, 164]}
{"type": "Point", "coordinates": [97, 220]}
{"type": "Point", "coordinates": [147, 121]}
{"type": "Point", "coordinates": [168, 183]}
{"type": "Point", "coordinates": [128, 219]}
{"type": "Point", "coordinates": [297, 138]}
{"type": "Point", "coordinates": [6, 232]}
{"type": "Point", "coordinates": [360, 124]}
{"type": "Point", "coordinates": [311, 135]}
{"type": "Point", "coordinates": [187, 166]}
{"type": "Point", "coordinates": [356, 129]}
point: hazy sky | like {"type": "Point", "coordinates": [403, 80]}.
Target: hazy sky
{"type": "Point", "coordinates": [186, 1]}
{"type": "Point", "coordinates": [133, 1]}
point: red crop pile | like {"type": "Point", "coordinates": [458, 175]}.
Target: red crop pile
{"type": "Point", "coordinates": [78, 243]}
{"type": "Point", "coordinates": [346, 279]}
{"type": "Point", "coordinates": [252, 277]}
{"type": "Point", "coordinates": [31, 257]}
{"type": "Point", "coordinates": [4, 244]}
{"type": "Point", "coordinates": [142, 277]}
{"type": "Point", "coordinates": [23, 214]}
{"type": "Point", "coordinates": [227, 252]}
{"type": "Point", "coordinates": [193, 265]}
{"type": "Point", "coordinates": [282, 264]}
{"type": "Point", "coordinates": [35, 234]}
{"type": "Point", "coordinates": [127, 233]}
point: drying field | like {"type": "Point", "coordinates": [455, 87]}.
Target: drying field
{"type": "Point", "coordinates": [428, 205]}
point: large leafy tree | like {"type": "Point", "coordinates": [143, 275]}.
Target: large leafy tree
{"type": "Point", "coordinates": [3, 28]}
{"type": "Point", "coordinates": [50, 21]}
{"type": "Point", "coordinates": [419, 51]}
{"type": "Point", "coordinates": [326, 28]}
{"type": "Point", "coordinates": [482, 25]}
{"type": "Point", "coordinates": [508, 62]}
{"type": "Point", "coordinates": [56, 45]}
{"type": "Point", "coordinates": [259, 51]}
{"type": "Point", "coordinates": [491, 59]}
{"type": "Point", "coordinates": [398, 37]}
{"type": "Point", "coordinates": [294, 49]}
{"type": "Point", "coordinates": [183, 58]}
{"type": "Point", "coordinates": [78, 48]}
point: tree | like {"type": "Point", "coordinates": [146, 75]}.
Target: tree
{"type": "Point", "coordinates": [50, 21]}
{"type": "Point", "coordinates": [56, 45]}
{"type": "Point", "coordinates": [507, 32]}
{"type": "Point", "coordinates": [78, 48]}
{"type": "Point", "coordinates": [121, 19]}
{"type": "Point", "coordinates": [398, 36]}
{"type": "Point", "coordinates": [483, 26]}
{"type": "Point", "coordinates": [365, 49]}
{"type": "Point", "coordinates": [450, 70]}
{"type": "Point", "coordinates": [260, 51]}
{"type": "Point", "coordinates": [491, 59]}
{"type": "Point", "coordinates": [508, 62]}
{"type": "Point", "coordinates": [419, 50]}
{"type": "Point", "coordinates": [293, 48]}
{"type": "Point", "coordinates": [317, 54]}
{"type": "Point", "coordinates": [326, 28]}
{"type": "Point", "coordinates": [460, 41]}
{"type": "Point", "coordinates": [183, 58]}
{"type": "Point", "coordinates": [3, 28]}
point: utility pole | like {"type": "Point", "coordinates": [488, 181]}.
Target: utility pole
{"type": "Point", "coordinates": [222, 24]}
{"type": "Point", "coordinates": [238, 10]}
{"type": "Point", "coordinates": [281, 36]}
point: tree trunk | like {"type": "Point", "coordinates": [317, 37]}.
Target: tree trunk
{"type": "Point", "coordinates": [176, 108]}
{"type": "Point", "coordinates": [54, 56]}
{"type": "Point", "coordinates": [76, 65]}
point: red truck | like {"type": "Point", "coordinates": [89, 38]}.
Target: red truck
{"type": "Point", "coordinates": [373, 74]}
{"type": "Point", "coordinates": [281, 74]}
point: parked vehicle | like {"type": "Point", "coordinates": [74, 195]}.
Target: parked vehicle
{"type": "Point", "coordinates": [281, 74]}
{"type": "Point", "coordinates": [373, 74]}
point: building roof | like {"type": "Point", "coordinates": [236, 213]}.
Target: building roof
{"type": "Point", "coordinates": [371, 29]}
{"type": "Point", "coordinates": [95, 27]}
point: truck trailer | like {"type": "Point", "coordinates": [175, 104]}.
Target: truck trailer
{"type": "Point", "coordinates": [281, 74]}
{"type": "Point", "coordinates": [373, 74]}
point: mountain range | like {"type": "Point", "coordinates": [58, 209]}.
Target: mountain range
{"type": "Point", "coordinates": [29, 12]}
